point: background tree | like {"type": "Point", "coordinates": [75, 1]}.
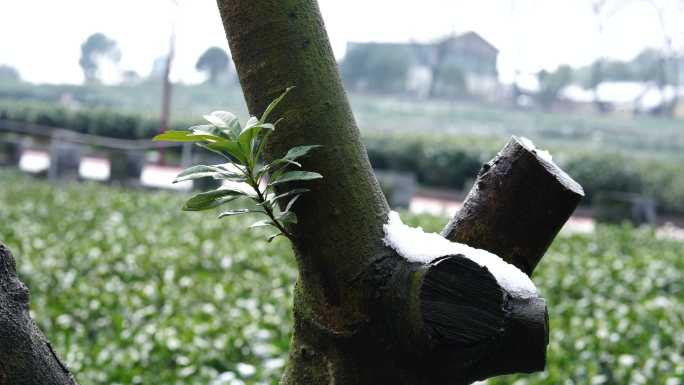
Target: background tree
{"type": "Point", "coordinates": [381, 68]}
{"type": "Point", "coordinates": [603, 10]}
{"type": "Point", "coordinates": [97, 47]}
{"type": "Point", "coordinates": [130, 77]}
{"type": "Point", "coordinates": [214, 62]}
{"type": "Point", "coordinates": [9, 73]}
{"type": "Point", "coordinates": [552, 83]}
{"type": "Point", "coordinates": [668, 60]}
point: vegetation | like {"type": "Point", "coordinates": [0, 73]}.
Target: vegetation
{"type": "Point", "coordinates": [243, 148]}
{"type": "Point", "coordinates": [598, 154]}
{"type": "Point", "coordinates": [381, 68]}
{"type": "Point", "coordinates": [130, 292]}
{"type": "Point", "coordinates": [214, 62]}
{"type": "Point", "coordinates": [97, 47]}
{"type": "Point", "coordinates": [453, 162]}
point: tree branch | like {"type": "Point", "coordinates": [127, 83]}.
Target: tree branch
{"type": "Point", "coordinates": [455, 324]}
{"type": "Point", "coordinates": [517, 206]}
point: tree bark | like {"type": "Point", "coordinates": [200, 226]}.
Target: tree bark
{"type": "Point", "coordinates": [516, 207]}
{"type": "Point", "coordinates": [363, 314]}
{"type": "Point", "coordinates": [26, 357]}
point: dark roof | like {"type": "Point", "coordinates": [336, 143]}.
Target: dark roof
{"type": "Point", "coordinates": [469, 41]}
{"type": "Point", "coordinates": [473, 37]}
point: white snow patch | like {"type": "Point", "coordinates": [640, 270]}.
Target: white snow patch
{"type": "Point", "coordinates": [415, 245]}
{"type": "Point", "coordinates": [544, 154]}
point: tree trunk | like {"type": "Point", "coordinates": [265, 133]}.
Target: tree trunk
{"type": "Point", "coordinates": [363, 314]}
{"type": "Point", "coordinates": [26, 357]}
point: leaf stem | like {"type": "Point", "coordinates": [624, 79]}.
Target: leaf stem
{"type": "Point", "coordinates": [267, 208]}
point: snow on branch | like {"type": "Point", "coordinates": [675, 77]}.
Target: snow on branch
{"type": "Point", "coordinates": [415, 245]}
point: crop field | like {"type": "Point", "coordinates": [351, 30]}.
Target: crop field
{"type": "Point", "coordinates": [641, 136]}
{"type": "Point", "coordinates": [132, 290]}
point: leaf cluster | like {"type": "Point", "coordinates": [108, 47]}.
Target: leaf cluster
{"type": "Point", "coordinates": [245, 174]}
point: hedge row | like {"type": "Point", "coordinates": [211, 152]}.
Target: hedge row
{"type": "Point", "coordinates": [453, 162]}
{"type": "Point", "coordinates": [94, 121]}
{"type": "Point", "coordinates": [436, 160]}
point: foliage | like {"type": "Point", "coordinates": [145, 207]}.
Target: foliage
{"type": "Point", "coordinates": [650, 65]}
{"type": "Point", "coordinates": [443, 160]}
{"type": "Point", "coordinates": [376, 67]}
{"type": "Point", "coordinates": [188, 301]}
{"type": "Point", "coordinates": [443, 143]}
{"type": "Point", "coordinates": [96, 47]}
{"type": "Point", "coordinates": [214, 61]}
{"type": "Point", "coordinates": [552, 83]}
{"type": "Point", "coordinates": [9, 74]}
{"type": "Point", "coordinates": [96, 121]}
{"type": "Point", "coordinates": [243, 147]}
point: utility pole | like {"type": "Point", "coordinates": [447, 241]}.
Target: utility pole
{"type": "Point", "coordinates": [167, 86]}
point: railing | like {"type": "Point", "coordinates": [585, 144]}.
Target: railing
{"type": "Point", "coordinates": [65, 149]}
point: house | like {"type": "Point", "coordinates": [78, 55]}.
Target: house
{"type": "Point", "coordinates": [458, 65]}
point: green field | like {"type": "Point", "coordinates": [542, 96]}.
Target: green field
{"type": "Point", "coordinates": [131, 290]}
{"type": "Point", "coordinates": [561, 131]}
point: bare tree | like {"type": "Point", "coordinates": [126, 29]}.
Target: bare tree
{"type": "Point", "coordinates": [668, 63]}
{"type": "Point", "coordinates": [603, 10]}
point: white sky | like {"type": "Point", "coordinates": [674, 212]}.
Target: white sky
{"type": "Point", "coordinates": [42, 37]}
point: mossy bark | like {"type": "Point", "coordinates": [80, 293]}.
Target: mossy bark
{"type": "Point", "coordinates": [362, 315]}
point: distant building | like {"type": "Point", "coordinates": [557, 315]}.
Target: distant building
{"type": "Point", "coordinates": [459, 65]}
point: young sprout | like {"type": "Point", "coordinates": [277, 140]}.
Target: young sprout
{"type": "Point", "coordinates": [243, 147]}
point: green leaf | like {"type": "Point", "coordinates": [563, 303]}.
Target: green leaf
{"type": "Point", "coordinates": [292, 176]}
{"type": "Point", "coordinates": [234, 212]}
{"type": "Point", "coordinates": [251, 122]}
{"type": "Point", "coordinates": [273, 166]}
{"type": "Point", "coordinates": [201, 171]}
{"type": "Point", "coordinates": [262, 223]}
{"type": "Point", "coordinates": [299, 151]}
{"type": "Point", "coordinates": [287, 217]}
{"type": "Point", "coordinates": [274, 104]}
{"type": "Point", "coordinates": [184, 136]}
{"type": "Point", "coordinates": [262, 144]}
{"type": "Point", "coordinates": [207, 129]}
{"type": "Point", "coordinates": [216, 121]}
{"type": "Point", "coordinates": [223, 133]}
{"type": "Point", "coordinates": [210, 199]}
{"type": "Point", "coordinates": [223, 122]}
{"type": "Point", "coordinates": [288, 193]}
{"type": "Point", "coordinates": [250, 132]}
{"type": "Point", "coordinates": [215, 151]}
{"type": "Point", "coordinates": [291, 202]}
{"type": "Point", "coordinates": [227, 147]}
{"type": "Point", "coordinates": [195, 172]}
{"type": "Point", "coordinates": [274, 236]}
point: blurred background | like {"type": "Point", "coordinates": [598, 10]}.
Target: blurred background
{"type": "Point", "coordinates": [134, 291]}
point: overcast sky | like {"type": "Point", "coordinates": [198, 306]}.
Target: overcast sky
{"type": "Point", "coordinates": [42, 37]}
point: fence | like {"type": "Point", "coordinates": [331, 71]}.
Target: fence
{"type": "Point", "coordinates": [62, 155]}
